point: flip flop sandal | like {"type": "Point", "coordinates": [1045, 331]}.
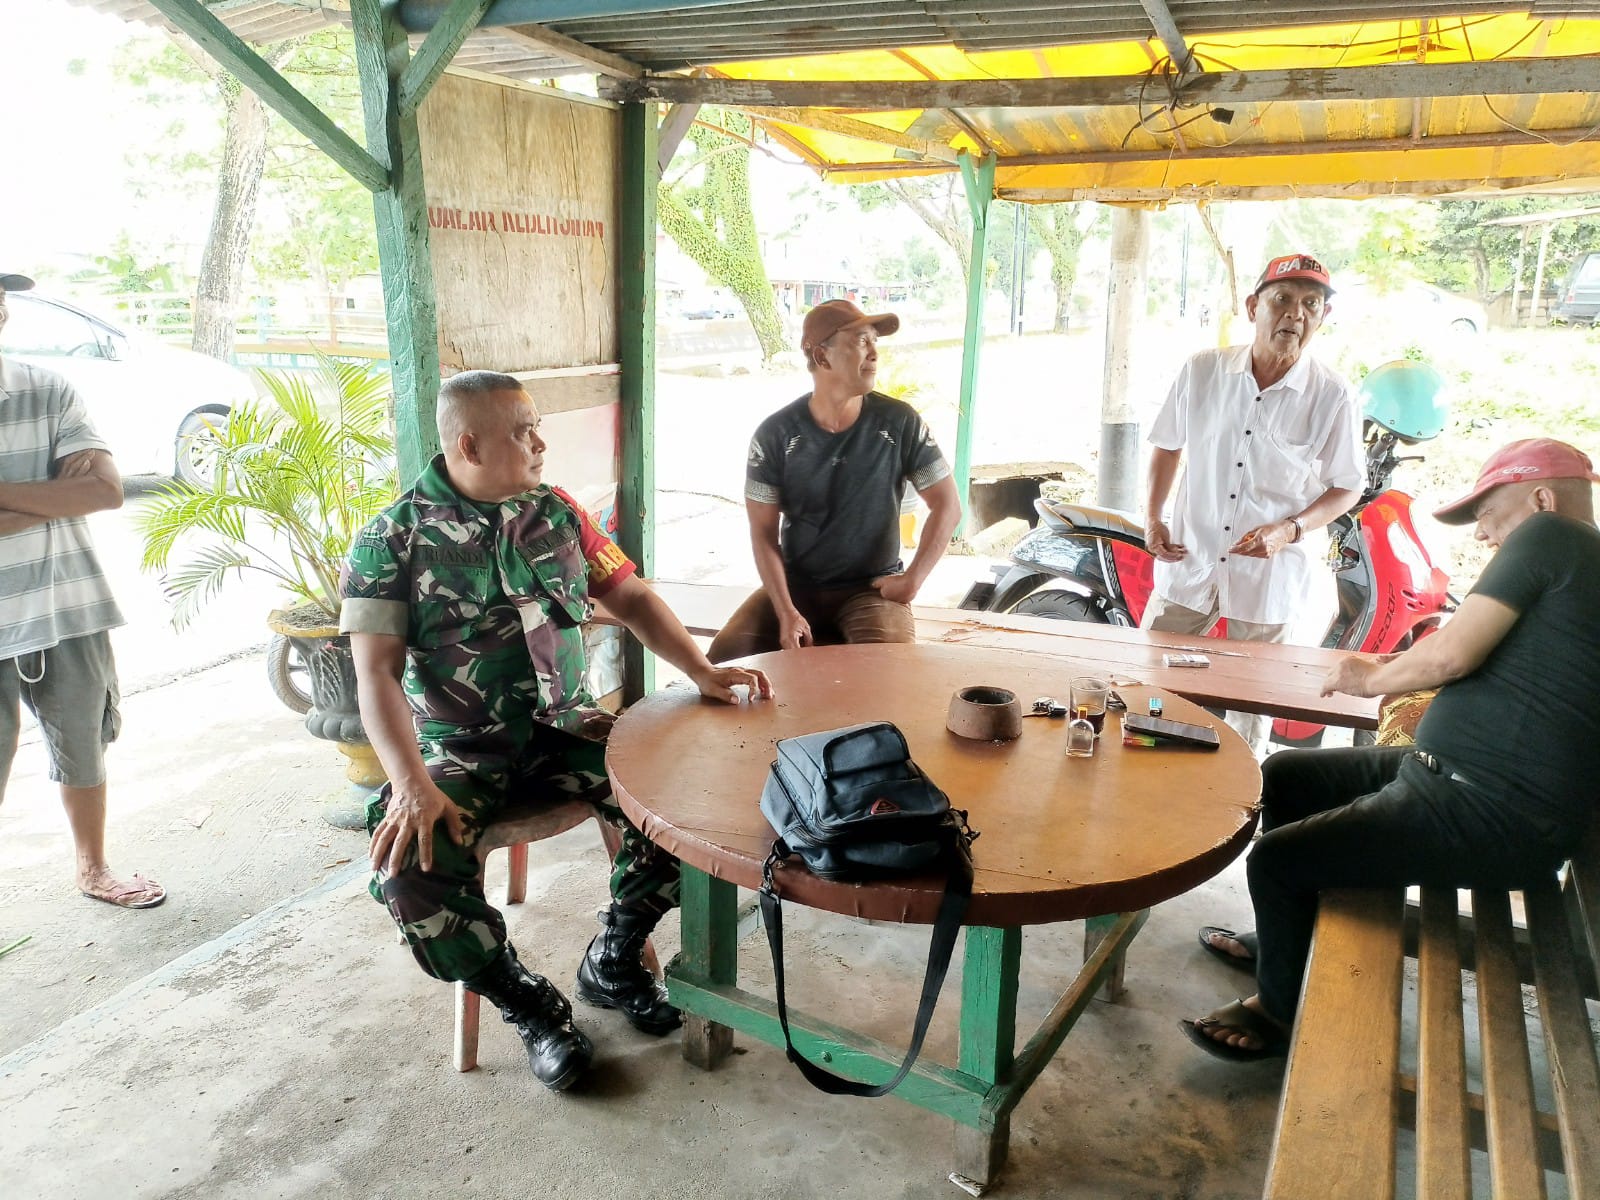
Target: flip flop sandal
{"type": "Point", "coordinates": [1238, 1019]}
{"type": "Point", "coordinates": [122, 895]}
{"type": "Point", "coordinates": [1247, 940]}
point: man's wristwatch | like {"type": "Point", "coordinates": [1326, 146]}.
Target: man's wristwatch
{"type": "Point", "coordinates": [1299, 528]}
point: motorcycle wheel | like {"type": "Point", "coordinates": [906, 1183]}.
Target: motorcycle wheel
{"type": "Point", "coordinates": [1060, 606]}
{"type": "Point", "coordinates": [287, 675]}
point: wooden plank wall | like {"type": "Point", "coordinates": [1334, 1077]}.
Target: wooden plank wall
{"type": "Point", "coordinates": [522, 206]}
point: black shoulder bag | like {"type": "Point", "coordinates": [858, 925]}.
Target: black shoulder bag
{"type": "Point", "coordinates": [851, 805]}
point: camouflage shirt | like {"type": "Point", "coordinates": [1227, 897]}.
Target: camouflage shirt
{"type": "Point", "coordinates": [490, 599]}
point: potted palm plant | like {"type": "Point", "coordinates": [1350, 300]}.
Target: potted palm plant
{"type": "Point", "coordinates": [295, 478]}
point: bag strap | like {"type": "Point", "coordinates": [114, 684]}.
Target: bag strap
{"type": "Point", "coordinates": [952, 908]}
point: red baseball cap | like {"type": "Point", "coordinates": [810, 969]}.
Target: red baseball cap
{"type": "Point", "coordinates": [1295, 266]}
{"type": "Point", "coordinates": [1531, 458]}
{"type": "Point", "coordinates": [831, 316]}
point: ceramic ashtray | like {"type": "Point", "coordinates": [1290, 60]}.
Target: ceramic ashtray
{"type": "Point", "coordinates": [985, 714]}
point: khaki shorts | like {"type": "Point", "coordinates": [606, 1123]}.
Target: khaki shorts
{"type": "Point", "coordinates": [72, 689]}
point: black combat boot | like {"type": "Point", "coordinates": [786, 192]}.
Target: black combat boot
{"type": "Point", "coordinates": [557, 1052]}
{"type": "Point", "coordinates": [613, 974]}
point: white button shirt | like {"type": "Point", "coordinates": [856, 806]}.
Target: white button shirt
{"type": "Point", "coordinates": [1253, 456]}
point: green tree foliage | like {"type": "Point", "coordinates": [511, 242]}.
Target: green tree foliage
{"type": "Point", "coordinates": [1467, 254]}
{"type": "Point", "coordinates": [940, 203]}
{"type": "Point", "coordinates": [1063, 228]}
{"type": "Point", "coordinates": [705, 208]}
{"type": "Point", "coordinates": [219, 135]}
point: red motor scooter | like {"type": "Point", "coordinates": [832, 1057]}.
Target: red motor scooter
{"type": "Point", "coordinates": [1084, 563]}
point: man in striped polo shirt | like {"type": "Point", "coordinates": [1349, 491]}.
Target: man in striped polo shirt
{"type": "Point", "coordinates": [55, 605]}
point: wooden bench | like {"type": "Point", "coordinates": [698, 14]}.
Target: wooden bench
{"type": "Point", "coordinates": [1359, 1069]}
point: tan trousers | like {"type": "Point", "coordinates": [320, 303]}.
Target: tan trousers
{"type": "Point", "coordinates": [1163, 616]}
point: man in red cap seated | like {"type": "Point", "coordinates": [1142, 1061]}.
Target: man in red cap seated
{"type": "Point", "coordinates": [1499, 787]}
{"type": "Point", "coordinates": [823, 487]}
{"type": "Point", "coordinates": [1273, 446]}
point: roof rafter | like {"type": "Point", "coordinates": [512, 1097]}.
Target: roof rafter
{"type": "Point", "coordinates": [1503, 77]}
{"type": "Point", "coordinates": [600, 61]}
{"type": "Point", "coordinates": [827, 122]}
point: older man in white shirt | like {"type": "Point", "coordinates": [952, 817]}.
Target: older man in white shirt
{"type": "Point", "coordinates": [1274, 454]}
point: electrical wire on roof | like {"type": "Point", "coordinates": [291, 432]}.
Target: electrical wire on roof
{"type": "Point", "coordinates": [1534, 133]}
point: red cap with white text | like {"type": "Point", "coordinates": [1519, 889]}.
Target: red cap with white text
{"type": "Point", "coordinates": [1295, 266]}
{"type": "Point", "coordinates": [1520, 462]}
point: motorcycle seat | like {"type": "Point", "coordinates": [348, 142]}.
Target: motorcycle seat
{"type": "Point", "coordinates": [1089, 518]}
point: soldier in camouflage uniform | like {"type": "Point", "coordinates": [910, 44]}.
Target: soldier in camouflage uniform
{"type": "Point", "coordinates": [465, 603]}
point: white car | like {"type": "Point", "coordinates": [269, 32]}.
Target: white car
{"type": "Point", "coordinates": [1406, 303]}
{"type": "Point", "coordinates": [155, 405]}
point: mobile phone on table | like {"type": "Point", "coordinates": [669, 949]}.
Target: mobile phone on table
{"type": "Point", "coordinates": [1172, 731]}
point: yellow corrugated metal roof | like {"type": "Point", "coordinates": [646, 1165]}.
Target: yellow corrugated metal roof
{"type": "Point", "coordinates": [1310, 142]}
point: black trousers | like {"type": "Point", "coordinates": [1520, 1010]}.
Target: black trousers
{"type": "Point", "coordinates": [1372, 817]}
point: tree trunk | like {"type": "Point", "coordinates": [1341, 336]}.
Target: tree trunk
{"type": "Point", "coordinates": [951, 225]}
{"type": "Point", "coordinates": [721, 236]}
{"type": "Point", "coordinates": [244, 158]}
{"type": "Point", "coordinates": [1062, 236]}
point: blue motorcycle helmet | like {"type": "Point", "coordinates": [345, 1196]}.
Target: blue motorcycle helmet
{"type": "Point", "coordinates": [1406, 398]}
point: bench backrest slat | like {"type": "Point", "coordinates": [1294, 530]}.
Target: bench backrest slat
{"type": "Point", "coordinates": [1507, 1074]}
{"type": "Point", "coordinates": [1347, 1044]}
{"type": "Point", "coordinates": [1584, 878]}
{"type": "Point", "coordinates": [1444, 1167]}
{"type": "Point", "coordinates": [1569, 1046]}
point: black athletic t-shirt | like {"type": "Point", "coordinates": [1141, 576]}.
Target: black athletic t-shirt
{"type": "Point", "coordinates": [840, 493]}
{"type": "Point", "coordinates": [1526, 724]}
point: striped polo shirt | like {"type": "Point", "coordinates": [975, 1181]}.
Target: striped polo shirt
{"type": "Point", "coordinates": [51, 584]}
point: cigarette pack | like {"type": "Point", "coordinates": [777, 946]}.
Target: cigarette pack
{"type": "Point", "coordinates": [1185, 660]}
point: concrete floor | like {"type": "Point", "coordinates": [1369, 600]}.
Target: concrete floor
{"type": "Point", "coordinates": [262, 1033]}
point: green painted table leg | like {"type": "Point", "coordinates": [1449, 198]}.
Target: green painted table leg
{"type": "Point", "coordinates": [709, 957]}
{"type": "Point", "coordinates": [988, 1043]}
{"type": "Point", "coordinates": [1095, 930]}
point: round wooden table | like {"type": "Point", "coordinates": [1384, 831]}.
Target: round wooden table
{"type": "Point", "coordinates": [1060, 838]}
{"type": "Point", "coordinates": [1100, 839]}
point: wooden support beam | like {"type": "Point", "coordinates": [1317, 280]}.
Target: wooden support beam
{"type": "Point", "coordinates": [436, 51]}
{"type": "Point", "coordinates": [636, 262]}
{"type": "Point", "coordinates": [1451, 141]}
{"type": "Point", "coordinates": [979, 181]}
{"type": "Point", "coordinates": [865, 131]}
{"type": "Point", "coordinates": [1503, 77]}
{"type": "Point", "coordinates": [417, 15]}
{"type": "Point", "coordinates": [208, 32]}
{"type": "Point", "coordinates": [674, 128]}
{"type": "Point", "coordinates": [537, 37]}
{"type": "Point", "coordinates": [401, 210]}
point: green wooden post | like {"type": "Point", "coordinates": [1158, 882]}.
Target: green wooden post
{"type": "Point", "coordinates": [401, 209]}
{"type": "Point", "coordinates": [636, 261]}
{"type": "Point", "coordinates": [710, 956]}
{"type": "Point", "coordinates": [979, 182]}
{"type": "Point", "coordinates": [988, 1041]}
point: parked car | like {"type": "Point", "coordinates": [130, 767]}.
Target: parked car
{"type": "Point", "coordinates": [1579, 298]}
{"type": "Point", "coordinates": [1407, 303]}
{"type": "Point", "coordinates": [709, 308]}
{"type": "Point", "coordinates": [156, 405]}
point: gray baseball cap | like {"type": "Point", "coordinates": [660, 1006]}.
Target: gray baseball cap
{"type": "Point", "coordinates": [15, 283]}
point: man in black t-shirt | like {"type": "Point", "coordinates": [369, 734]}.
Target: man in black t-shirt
{"type": "Point", "coordinates": [823, 486]}
{"type": "Point", "coordinates": [1498, 789]}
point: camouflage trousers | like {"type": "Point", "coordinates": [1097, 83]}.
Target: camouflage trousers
{"type": "Point", "coordinates": [451, 927]}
